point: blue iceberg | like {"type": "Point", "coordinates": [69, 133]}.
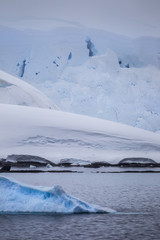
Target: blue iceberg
{"type": "Point", "coordinates": [18, 198]}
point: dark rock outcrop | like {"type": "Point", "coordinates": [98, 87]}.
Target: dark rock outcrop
{"type": "Point", "coordinates": [138, 162]}
{"type": "Point", "coordinates": [5, 169]}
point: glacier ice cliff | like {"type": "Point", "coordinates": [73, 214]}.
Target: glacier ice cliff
{"type": "Point", "coordinates": [87, 71]}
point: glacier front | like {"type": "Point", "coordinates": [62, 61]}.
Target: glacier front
{"type": "Point", "coordinates": [87, 71]}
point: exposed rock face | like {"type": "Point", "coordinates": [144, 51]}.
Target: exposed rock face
{"type": "Point", "coordinates": [32, 163]}
{"type": "Point", "coordinates": [5, 169]}
{"type": "Point", "coordinates": [138, 162]}
{"type": "Point", "coordinates": [24, 161]}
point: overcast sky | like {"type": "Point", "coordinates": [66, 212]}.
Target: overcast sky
{"type": "Point", "coordinates": [130, 17]}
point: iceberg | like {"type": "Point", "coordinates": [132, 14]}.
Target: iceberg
{"type": "Point", "coordinates": [19, 198]}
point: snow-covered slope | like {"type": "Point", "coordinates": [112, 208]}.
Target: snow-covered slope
{"type": "Point", "coordinates": [57, 135]}
{"type": "Point", "coordinates": [16, 91]}
{"type": "Point", "coordinates": [120, 83]}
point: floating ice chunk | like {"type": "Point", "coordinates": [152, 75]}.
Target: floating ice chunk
{"type": "Point", "coordinates": [32, 166]}
{"type": "Point", "coordinates": [18, 198]}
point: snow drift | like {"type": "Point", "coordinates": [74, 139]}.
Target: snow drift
{"type": "Point", "coordinates": [16, 91]}
{"type": "Point", "coordinates": [57, 135]}
{"type": "Point", "coordinates": [18, 198]}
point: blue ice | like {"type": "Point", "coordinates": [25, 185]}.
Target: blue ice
{"type": "Point", "coordinates": [18, 198]}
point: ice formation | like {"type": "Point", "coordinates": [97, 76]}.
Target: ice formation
{"type": "Point", "coordinates": [110, 76]}
{"type": "Point", "coordinates": [19, 198]}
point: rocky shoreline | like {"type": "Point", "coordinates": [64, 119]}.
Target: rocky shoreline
{"type": "Point", "coordinates": [29, 163]}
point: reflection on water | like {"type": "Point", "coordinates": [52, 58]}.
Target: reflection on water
{"type": "Point", "coordinates": [134, 196]}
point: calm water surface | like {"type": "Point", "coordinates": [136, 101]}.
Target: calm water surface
{"type": "Point", "coordinates": [135, 197]}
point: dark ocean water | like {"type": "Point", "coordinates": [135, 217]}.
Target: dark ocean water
{"type": "Point", "coordinates": [135, 197]}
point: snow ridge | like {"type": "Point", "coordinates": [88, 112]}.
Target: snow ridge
{"type": "Point", "coordinates": [17, 92]}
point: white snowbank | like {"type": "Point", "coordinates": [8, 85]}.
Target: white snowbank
{"type": "Point", "coordinates": [16, 91]}
{"type": "Point", "coordinates": [57, 135]}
